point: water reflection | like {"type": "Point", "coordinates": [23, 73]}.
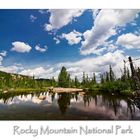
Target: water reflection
{"type": "Point", "coordinates": [64, 102]}
{"type": "Point", "coordinates": [70, 106]}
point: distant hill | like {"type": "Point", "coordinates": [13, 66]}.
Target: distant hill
{"type": "Point", "coordinates": [11, 80]}
{"type": "Point", "coordinates": [3, 74]}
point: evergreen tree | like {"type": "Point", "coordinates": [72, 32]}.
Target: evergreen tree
{"type": "Point", "coordinates": [107, 77]}
{"type": "Point", "coordinates": [84, 79]}
{"type": "Point", "coordinates": [76, 81]}
{"type": "Point", "coordinates": [93, 81]}
{"type": "Point", "coordinates": [102, 78]}
{"type": "Point", "coordinates": [128, 74]}
{"type": "Point", "coordinates": [69, 81]}
{"type": "Point", "coordinates": [63, 78]}
{"type": "Point", "coordinates": [111, 74]}
{"type": "Point", "coordinates": [53, 82]}
{"type": "Point", "coordinates": [87, 80]}
{"type": "Point", "coordinates": [124, 75]}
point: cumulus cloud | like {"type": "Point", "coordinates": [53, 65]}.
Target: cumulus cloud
{"type": "Point", "coordinates": [73, 37]}
{"type": "Point", "coordinates": [32, 18]}
{"type": "Point", "coordinates": [21, 47]}
{"type": "Point", "coordinates": [95, 13]}
{"type": "Point", "coordinates": [3, 53]}
{"type": "Point", "coordinates": [34, 72]}
{"type": "Point", "coordinates": [57, 40]}
{"type": "Point", "coordinates": [98, 64]}
{"type": "Point", "coordinates": [43, 11]}
{"type": "Point", "coordinates": [105, 24]}
{"type": "Point", "coordinates": [11, 69]}
{"type": "Point", "coordinates": [129, 41]}
{"type": "Point", "coordinates": [89, 65]}
{"type": "Point", "coordinates": [40, 72]}
{"type": "Point", "coordinates": [61, 17]}
{"type": "Point", "coordinates": [48, 27]}
{"type": "Point", "coordinates": [1, 59]}
{"type": "Point", "coordinates": [38, 48]}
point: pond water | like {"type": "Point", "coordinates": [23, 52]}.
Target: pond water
{"type": "Point", "coordinates": [69, 106]}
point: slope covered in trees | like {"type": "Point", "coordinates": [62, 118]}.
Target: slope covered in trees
{"type": "Point", "coordinates": [107, 82]}
{"type": "Point", "coordinates": [9, 81]}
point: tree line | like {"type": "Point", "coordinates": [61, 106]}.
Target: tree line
{"type": "Point", "coordinates": [108, 80]}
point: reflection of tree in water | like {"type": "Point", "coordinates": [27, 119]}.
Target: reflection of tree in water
{"type": "Point", "coordinates": [52, 96]}
{"type": "Point", "coordinates": [86, 99]}
{"type": "Point", "coordinates": [130, 107]}
{"type": "Point", "coordinates": [137, 102]}
{"type": "Point", "coordinates": [75, 96]}
{"type": "Point", "coordinates": [90, 96]}
{"type": "Point", "coordinates": [96, 100]}
{"type": "Point", "coordinates": [10, 96]}
{"type": "Point", "coordinates": [64, 102]}
{"type": "Point", "coordinates": [112, 102]}
{"type": "Point", "coordinates": [6, 98]}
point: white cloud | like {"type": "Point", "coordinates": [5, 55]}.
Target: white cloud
{"type": "Point", "coordinates": [104, 27]}
{"type": "Point", "coordinates": [89, 65]}
{"type": "Point", "coordinates": [61, 17]}
{"type": "Point", "coordinates": [1, 59]}
{"type": "Point", "coordinates": [95, 13]}
{"type": "Point", "coordinates": [32, 18]}
{"type": "Point", "coordinates": [3, 53]}
{"type": "Point", "coordinates": [48, 27]}
{"type": "Point", "coordinates": [21, 47]}
{"type": "Point", "coordinates": [111, 48]}
{"type": "Point", "coordinates": [97, 65]}
{"type": "Point", "coordinates": [57, 40]}
{"type": "Point", "coordinates": [129, 41]}
{"type": "Point", "coordinates": [40, 72]}
{"type": "Point", "coordinates": [73, 37]}
{"type": "Point", "coordinates": [38, 48]}
{"type": "Point", "coordinates": [11, 69]}
{"type": "Point", "coordinates": [34, 72]}
{"type": "Point", "coordinates": [99, 51]}
{"type": "Point", "coordinates": [43, 11]}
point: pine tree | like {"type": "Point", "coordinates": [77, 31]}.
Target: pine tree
{"type": "Point", "coordinates": [84, 79]}
{"type": "Point", "coordinates": [63, 78]}
{"type": "Point", "coordinates": [53, 82]}
{"type": "Point", "coordinates": [76, 82]}
{"type": "Point", "coordinates": [128, 74]}
{"type": "Point", "coordinates": [102, 78]}
{"type": "Point", "coordinates": [94, 79]}
{"type": "Point", "coordinates": [107, 77]}
{"type": "Point", "coordinates": [111, 74]}
{"type": "Point", "coordinates": [87, 80]}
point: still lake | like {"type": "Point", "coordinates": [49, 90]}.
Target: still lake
{"type": "Point", "coordinates": [69, 106]}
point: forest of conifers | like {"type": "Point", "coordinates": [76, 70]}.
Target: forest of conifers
{"type": "Point", "coordinates": [108, 81]}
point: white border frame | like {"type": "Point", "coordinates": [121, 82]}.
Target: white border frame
{"type": "Point", "coordinates": [68, 4]}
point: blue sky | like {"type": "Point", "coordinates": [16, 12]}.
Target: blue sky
{"type": "Point", "coordinates": [39, 42]}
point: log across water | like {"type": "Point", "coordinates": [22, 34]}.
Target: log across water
{"type": "Point", "coordinates": [64, 90]}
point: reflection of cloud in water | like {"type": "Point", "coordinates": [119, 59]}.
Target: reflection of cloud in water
{"type": "Point", "coordinates": [26, 99]}
{"type": "Point", "coordinates": [80, 105]}
{"type": "Point", "coordinates": [98, 110]}
{"type": "Point", "coordinates": [79, 99]}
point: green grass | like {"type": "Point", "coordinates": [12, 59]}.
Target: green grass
{"type": "Point", "coordinates": [22, 90]}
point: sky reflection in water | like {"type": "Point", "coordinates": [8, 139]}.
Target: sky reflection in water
{"type": "Point", "coordinates": [67, 106]}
